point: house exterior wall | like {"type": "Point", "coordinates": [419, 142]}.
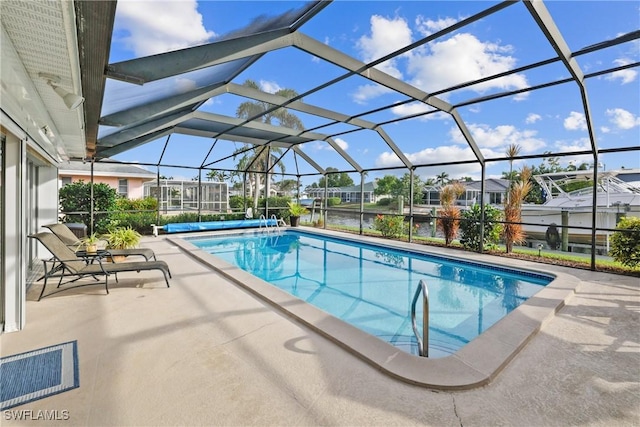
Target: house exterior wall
{"type": "Point", "coordinates": [29, 200]}
{"type": "Point", "coordinates": [135, 185]}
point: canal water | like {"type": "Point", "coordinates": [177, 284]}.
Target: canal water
{"type": "Point", "coordinates": [426, 226]}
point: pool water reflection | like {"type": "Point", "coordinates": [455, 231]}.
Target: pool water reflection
{"type": "Point", "coordinates": [371, 287]}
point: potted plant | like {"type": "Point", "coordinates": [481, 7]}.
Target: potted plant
{"type": "Point", "coordinates": [90, 243]}
{"type": "Point", "coordinates": [295, 211]}
{"type": "Point", "coordinates": [122, 238]}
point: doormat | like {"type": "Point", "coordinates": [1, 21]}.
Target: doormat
{"type": "Point", "coordinates": [37, 374]}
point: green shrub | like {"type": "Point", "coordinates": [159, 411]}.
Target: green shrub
{"type": "Point", "coordinates": [625, 245]}
{"type": "Point", "coordinates": [76, 197]}
{"type": "Point", "coordinates": [137, 214]}
{"type": "Point", "coordinates": [277, 205]}
{"type": "Point", "coordinates": [384, 202]}
{"type": "Point", "coordinates": [237, 203]}
{"type": "Point", "coordinates": [334, 201]}
{"type": "Point", "coordinates": [470, 227]}
{"type": "Point", "coordinates": [389, 225]}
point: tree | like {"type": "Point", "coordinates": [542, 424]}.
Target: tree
{"type": "Point", "coordinates": [388, 185]}
{"type": "Point", "coordinates": [258, 160]}
{"type": "Point", "coordinates": [335, 179]}
{"type": "Point", "coordinates": [76, 197]}
{"type": "Point", "coordinates": [512, 151]}
{"type": "Point", "coordinates": [261, 159]}
{"type": "Point", "coordinates": [217, 175]}
{"type": "Point", "coordinates": [417, 187]}
{"type": "Point", "coordinates": [288, 185]}
{"type": "Point", "coordinates": [395, 187]}
{"type": "Point", "coordinates": [442, 179]}
{"type": "Point", "coordinates": [510, 176]}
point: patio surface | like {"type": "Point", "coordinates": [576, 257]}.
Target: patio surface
{"type": "Point", "coordinates": [206, 352]}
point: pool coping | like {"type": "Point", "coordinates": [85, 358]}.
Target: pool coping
{"type": "Point", "coordinates": [474, 365]}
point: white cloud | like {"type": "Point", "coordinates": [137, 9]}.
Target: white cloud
{"type": "Point", "coordinates": [184, 85]}
{"type": "Point", "coordinates": [325, 146]}
{"type": "Point", "coordinates": [426, 27]}
{"type": "Point", "coordinates": [442, 154]}
{"type": "Point", "coordinates": [269, 87]}
{"type": "Point", "coordinates": [605, 129]}
{"type": "Point", "coordinates": [441, 64]}
{"type": "Point", "coordinates": [532, 118]}
{"type": "Point", "coordinates": [416, 108]}
{"type": "Point", "coordinates": [625, 76]}
{"type": "Point", "coordinates": [428, 155]}
{"type": "Point", "coordinates": [462, 58]}
{"type": "Point", "coordinates": [387, 35]}
{"type": "Point", "coordinates": [160, 26]}
{"type": "Point", "coordinates": [575, 121]}
{"type": "Point", "coordinates": [367, 92]}
{"type": "Point", "coordinates": [581, 144]}
{"type": "Point", "coordinates": [622, 118]}
{"type": "Point", "coordinates": [500, 137]}
{"type": "Point", "coordinates": [342, 143]}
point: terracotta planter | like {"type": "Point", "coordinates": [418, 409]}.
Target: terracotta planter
{"type": "Point", "coordinates": [118, 258]}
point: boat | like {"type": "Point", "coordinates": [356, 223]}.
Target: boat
{"type": "Point", "coordinates": [618, 195]}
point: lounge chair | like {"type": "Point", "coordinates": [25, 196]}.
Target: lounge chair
{"type": "Point", "coordinates": [67, 264]}
{"type": "Point", "coordinates": [65, 234]}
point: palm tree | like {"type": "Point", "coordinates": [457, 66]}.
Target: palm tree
{"type": "Point", "coordinates": [442, 179]}
{"type": "Point", "coordinates": [260, 110]}
{"type": "Point", "coordinates": [261, 159]}
{"type": "Point", "coordinates": [217, 175]}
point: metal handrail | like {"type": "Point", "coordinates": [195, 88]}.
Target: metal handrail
{"type": "Point", "coordinates": [275, 219]}
{"type": "Point", "coordinates": [266, 225]}
{"type": "Point", "coordinates": [423, 342]}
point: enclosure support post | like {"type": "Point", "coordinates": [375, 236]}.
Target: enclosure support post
{"type": "Point", "coordinates": [244, 192]}
{"type": "Point", "coordinates": [158, 194]}
{"type": "Point", "coordinates": [93, 206]}
{"type": "Point", "coordinates": [199, 194]}
{"type": "Point", "coordinates": [323, 206]}
{"type": "Point", "coordinates": [565, 231]}
{"type": "Point", "coordinates": [434, 221]}
{"type": "Point", "coordinates": [361, 201]}
{"type": "Point", "coordinates": [594, 211]}
{"type": "Point", "coordinates": [266, 184]}
{"type": "Point", "coordinates": [411, 173]}
{"type": "Point", "coordinates": [483, 168]}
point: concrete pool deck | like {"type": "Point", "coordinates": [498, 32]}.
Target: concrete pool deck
{"type": "Point", "coordinates": [208, 352]}
{"type": "Point", "coordinates": [476, 364]}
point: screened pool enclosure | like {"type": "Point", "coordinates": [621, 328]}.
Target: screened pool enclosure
{"type": "Point", "coordinates": [206, 108]}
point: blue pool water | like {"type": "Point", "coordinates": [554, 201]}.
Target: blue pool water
{"type": "Point", "coordinates": [372, 287]}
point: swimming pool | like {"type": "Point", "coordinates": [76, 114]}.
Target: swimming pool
{"type": "Point", "coordinates": [475, 364]}
{"type": "Point", "coordinates": [371, 286]}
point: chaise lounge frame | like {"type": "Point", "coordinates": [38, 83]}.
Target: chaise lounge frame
{"type": "Point", "coordinates": [65, 234]}
{"type": "Point", "coordinates": [66, 264]}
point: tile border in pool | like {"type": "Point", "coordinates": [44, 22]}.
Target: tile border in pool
{"type": "Point", "coordinates": [474, 365]}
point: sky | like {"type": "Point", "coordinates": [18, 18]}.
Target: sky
{"type": "Point", "coordinates": [550, 119]}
